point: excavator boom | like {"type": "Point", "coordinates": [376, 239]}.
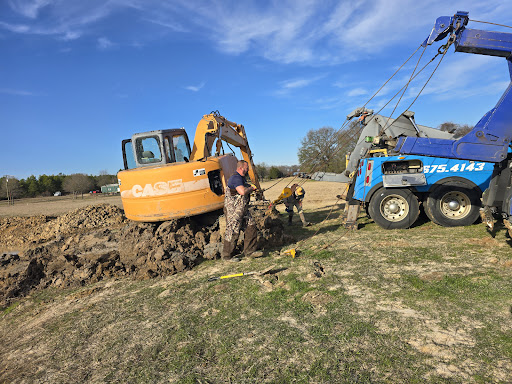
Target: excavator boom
{"type": "Point", "coordinates": [213, 129]}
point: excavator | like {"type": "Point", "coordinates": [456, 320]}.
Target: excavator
{"type": "Point", "coordinates": [163, 179]}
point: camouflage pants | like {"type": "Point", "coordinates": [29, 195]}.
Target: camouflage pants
{"type": "Point", "coordinates": [238, 217]}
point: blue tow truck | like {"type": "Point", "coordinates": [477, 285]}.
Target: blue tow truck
{"type": "Point", "coordinates": [450, 189]}
{"type": "Point", "coordinates": [391, 172]}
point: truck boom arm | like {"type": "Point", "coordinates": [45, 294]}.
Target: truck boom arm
{"type": "Point", "coordinates": [490, 138]}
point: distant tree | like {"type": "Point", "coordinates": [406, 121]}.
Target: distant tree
{"type": "Point", "coordinates": [462, 130]}
{"type": "Point", "coordinates": [59, 179]}
{"type": "Point", "coordinates": [78, 183]}
{"type": "Point", "coordinates": [32, 186]}
{"type": "Point", "coordinates": [458, 130]}
{"type": "Point", "coordinates": [324, 149]}
{"type": "Point", "coordinates": [274, 173]}
{"type": "Point", "coordinates": [262, 170]}
{"type": "Point", "coordinates": [47, 185]}
{"type": "Point", "coordinates": [13, 185]}
{"type": "Point", "coordinates": [448, 126]}
{"type": "Point", "coordinates": [288, 170]}
{"type": "Point", "coordinates": [104, 178]}
{"type": "Point", "coordinates": [294, 168]}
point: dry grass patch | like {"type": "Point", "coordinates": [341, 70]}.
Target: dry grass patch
{"type": "Point", "coordinates": [424, 305]}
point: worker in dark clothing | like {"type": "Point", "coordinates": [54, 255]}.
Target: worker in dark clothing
{"type": "Point", "coordinates": [295, 200]}
{"type": "Point", "coordinates": [238, 217]}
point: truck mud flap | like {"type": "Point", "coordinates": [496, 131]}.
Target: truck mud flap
{"type": "Point", "coordinates": [352, 215]}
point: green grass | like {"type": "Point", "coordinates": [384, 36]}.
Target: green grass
{"type": "Point", "coordinates": [390, 307]}
{"type": "Point", "coordinates": [9, 309]}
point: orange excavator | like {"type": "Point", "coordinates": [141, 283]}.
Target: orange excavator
{"type": "Point", "coordinates": [163, 179]}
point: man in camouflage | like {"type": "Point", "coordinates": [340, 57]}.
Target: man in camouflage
{"type": "Point", "coordinates": [238, 217]}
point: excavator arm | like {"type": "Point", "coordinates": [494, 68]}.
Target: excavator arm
{"type": "Point", "coordinates": [212, 130]}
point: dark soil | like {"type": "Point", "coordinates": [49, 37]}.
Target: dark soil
{"type": "Point", "coordinates": [97, 242]}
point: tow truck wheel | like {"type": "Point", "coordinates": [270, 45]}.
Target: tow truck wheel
{"type": "Point", "coordinates": [394, 208]}
{"type": "Point", "coordinates": [453, 206]}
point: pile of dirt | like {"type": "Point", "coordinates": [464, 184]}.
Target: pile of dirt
{"type": "Point", "coordinates": [17, 232]}
{"type": "Point", "coordinates": [98, 242]}
{"type": "Point", "coordinates": [21, 232]}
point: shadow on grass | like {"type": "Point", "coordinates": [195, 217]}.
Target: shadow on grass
{"type": "Point", "coordinates": [315, 218]}
{"type": "Point", "coordinates": [498, 228]}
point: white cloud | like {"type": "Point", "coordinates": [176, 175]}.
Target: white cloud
{"type": "Point", "coordinates": [288, 85]}
{"type": "Point", "coordinates": [463, 76]}
{"type": "Point", "coordinates": [65, 20]}
{"type": "Point", "coordinates": [195, 88]}
{"type": "Point", "coordinates": [28, 9]}
{"type": "Point", "coordinates": [104, 43]}
{"type": "Point", "coordinates": [357, 92]}
{"type": "Point", "coordinates": [16, 92]}
{"type": "Point", "coordinates": [71, 35]}
{"type": "Point", "coordinates": [289, 31]}
{"type": "Point", "coordinates": [299, 83]}
{"type": "Point", "coordinates": [17, 28]}
{"type": "Point", "coordinates": [459, 77]}
{"type": "Point", "coordinates": [174, 26]}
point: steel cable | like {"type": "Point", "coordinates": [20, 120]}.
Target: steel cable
{"type": "Point", "coordinates": [488, 22]}
{"type": "Point", "coordinates": [332, 139]}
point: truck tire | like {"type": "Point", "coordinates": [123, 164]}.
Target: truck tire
{"type": "Point", "coordinates": [394, 208]}
{"type": "Point", "coordinates": [453, 205]}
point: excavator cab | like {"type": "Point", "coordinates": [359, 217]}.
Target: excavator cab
{"type": "Point", "coordinates": [163, 179]}
{"type": "Point", "coordinates": [156, 147]}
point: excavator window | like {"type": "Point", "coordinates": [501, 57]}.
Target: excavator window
{"type": "Point", "coordinates": [181, 148]}
{"type": "Point", "coordinates": [148, 150]}
{"type": "Point", "coordinates": [128, 156]}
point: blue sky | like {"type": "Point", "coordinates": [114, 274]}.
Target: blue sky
{"type": "Point", "coordinates": [77, 77]}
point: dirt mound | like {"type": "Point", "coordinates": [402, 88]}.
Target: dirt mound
{"type": "Point", "coordinates": [18, 233]}
{"type": "Point", "coordinates": [90, 217]}
{"type": "Point", "coordinates": [97, 242]}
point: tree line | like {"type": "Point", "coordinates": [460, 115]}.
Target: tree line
{"type": "Point", "coordinates": [322, 149]}
{"type": "Point", "coordinates": [325, 149]}
{"type": "Point", "coordinates": [275, 171]}
{"type": "Point", "coordinates": [47, 185]}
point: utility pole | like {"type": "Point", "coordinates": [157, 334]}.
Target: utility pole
{"type": "Point", "coordinates": [10, 200]}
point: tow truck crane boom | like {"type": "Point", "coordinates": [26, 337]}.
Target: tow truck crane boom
{"type": "Point", "coordinates": [489, 140]}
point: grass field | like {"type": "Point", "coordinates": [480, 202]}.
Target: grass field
{"type": "Point", "coordinates": [423, 305]}
{"type": "Point", "coordinates": [54, 205]}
